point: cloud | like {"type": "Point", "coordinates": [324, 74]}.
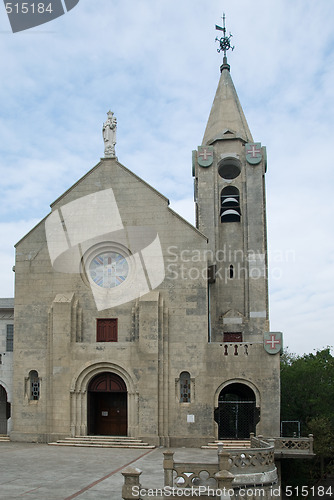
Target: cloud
{"type": "Point", "coordinates": [12, 232]}
{"type": "Point", "coordinates": [155, 65]}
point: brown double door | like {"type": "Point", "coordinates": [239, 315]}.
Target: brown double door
{"type": "Point", "coordinates": [107, 405]}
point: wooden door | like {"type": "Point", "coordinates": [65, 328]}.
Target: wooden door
{"type": "Point", "coordinates": [107, 405]}
{"type": "Point", "coordinates": [111, 413]}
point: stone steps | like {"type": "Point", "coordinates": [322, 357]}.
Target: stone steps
{"type": "Point", "coordinates": [103, 442]}
{"type": "Point", "coordinates": [228, 444]}
{"type": "Point", "coordinates": [4, 438]}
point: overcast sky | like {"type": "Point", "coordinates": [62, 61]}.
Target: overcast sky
{"type": "Point", "coordinates": [155, 64]}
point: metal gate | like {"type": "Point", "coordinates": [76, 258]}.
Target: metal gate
{"type": "Point", "coordinates": [3, 410]}
{"type": "Point", "coordinates": [235, 419]}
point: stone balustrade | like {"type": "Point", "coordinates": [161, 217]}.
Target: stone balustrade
{"type": "Point", "coordinates": [252, 461]}
{"type": "Point", "coordinates": [246, 466]}
{"type": "Point", "coordinates": [290, 447]}
{"type": "Point", "coordinates": [235, 468]}
{"type": "Point", "coordinates": [187, 475]}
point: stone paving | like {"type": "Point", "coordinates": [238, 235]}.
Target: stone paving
{"type": "Point", "coordinates": [31, 471]}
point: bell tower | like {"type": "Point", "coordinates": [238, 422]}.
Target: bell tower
{"type": "Point", "coordinates": [229, 170]}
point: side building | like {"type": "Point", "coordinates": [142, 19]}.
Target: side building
{"type": "Point", "coordinates": [6, 363]}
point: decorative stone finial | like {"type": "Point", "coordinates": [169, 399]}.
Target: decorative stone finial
{"type": "Point", "coordinates": [109, 135]}
{"type": "Point", "coordinates": [224, 44]}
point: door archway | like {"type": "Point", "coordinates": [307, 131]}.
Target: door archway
{"type": "Point", "coordinates": [107, 405]}
{"type": "Point", "coordinates": [236, 414]}
{"type": "Point", "coordinates": [3, 410]}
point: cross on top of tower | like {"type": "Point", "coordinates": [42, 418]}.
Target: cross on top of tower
{"type": "Point", "coordinates": [224, 43]}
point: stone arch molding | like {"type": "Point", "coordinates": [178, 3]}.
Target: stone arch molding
{"type": "Point", "coordinates": [7, 389]}
{"type": "Point", "coordinates": [78, 392]}
{"type": "Point", "coordinates": [81, 381]}
{"type": "Point", "coordinates": [238, 381]}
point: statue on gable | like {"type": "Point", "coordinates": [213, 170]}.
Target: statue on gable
{"type": "Point", "coordinates": [109, 135]}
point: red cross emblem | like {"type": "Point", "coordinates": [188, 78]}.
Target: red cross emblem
{"type": "Point", "coordinates": [205, 156]}
{"type": "Point", "coordinates": [253, 153]}
{"type": "Point", "coordinates": [272, 342]}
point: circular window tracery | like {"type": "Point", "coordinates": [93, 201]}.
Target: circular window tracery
{"type": "Point", "coordinates": [108, 269]}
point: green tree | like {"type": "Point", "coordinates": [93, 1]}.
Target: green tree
{"type": "Point", "coordinates": [307, 395]}
{"type": "Point", "coordinates": [323, 432]}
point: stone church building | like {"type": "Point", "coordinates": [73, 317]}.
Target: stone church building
{"type": "Point", "coordinates": [129, 321]}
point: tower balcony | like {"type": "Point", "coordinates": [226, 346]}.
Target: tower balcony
{"type": "Point", "coordinates": [238, 348]}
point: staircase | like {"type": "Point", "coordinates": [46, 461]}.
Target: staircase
{"type": "Point", "coordinates": [4, 438]}
{"type": "Point", "coordinates": [103, 442]}
{"type": "Point", "coordinates": [228, 444]}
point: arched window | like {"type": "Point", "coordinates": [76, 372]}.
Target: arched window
{"type": "Point", "coordinates": [9, 338]}
{"type": "Point", "coordinates": [185, 393]}
{"type": "Point", "coordinates": [230, 205]}
{"type": "Point", "coordinates": [34, 385]}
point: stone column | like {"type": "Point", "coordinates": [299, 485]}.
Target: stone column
{"type": "Point", "coordinates": [131, 483]}
{"type": "Point", "coordinates": [224, 476]}
{"type": "Point", "coordinates": [168, 467]}
{"type": "Point", "coordinates": [224, 483]}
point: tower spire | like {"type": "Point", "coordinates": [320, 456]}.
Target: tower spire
{"type": "Point", "coordinates": [226, 112]}
{"type": "Point", "coordinates": [224, 44]}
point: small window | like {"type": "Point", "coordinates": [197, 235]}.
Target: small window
{"type": "Point", "coordinates": [232, 337]}
{"type": "Point", "coordinates": [185, 396]}
{"type": "Point", "coordinates": [106, 330]}
{"type": "Point", "coordinates": [34, 384]}
{"type": "Point", "coordinates": [0, 359]}
{"type": "Point", "coordinates": [231, 272]}
{"type": "Point", "coordinates": [10, 338]}
{"type": "Point", "coordinates": [230, 205]}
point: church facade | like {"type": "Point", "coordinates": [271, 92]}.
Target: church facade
{"type": "Point", "coordinates": [130, 321]}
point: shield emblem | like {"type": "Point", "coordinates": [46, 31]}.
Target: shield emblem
{"type": "Point", "coordinates": [253, 152]}
{"type": "Point", "coordinates": [205, 156]}
{"type": "Point", "coordinates": [273, 342]}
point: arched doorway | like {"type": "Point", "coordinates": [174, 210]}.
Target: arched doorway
{"type": "Point", "coordinates": [4, 410]}
{"type": "Point", "coordinates": [236, 414]}
{"type": "Point", "coordinates": [107, 405]}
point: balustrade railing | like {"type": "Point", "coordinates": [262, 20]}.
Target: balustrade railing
{"type": "Point", "coordinates": [294, 445]}
{"type": "Point", "coordinates": [238, 463]}
{"type": "Point", "coordinates": [235, 468]}
{"type": "Point", "coordinates": [236, 349]}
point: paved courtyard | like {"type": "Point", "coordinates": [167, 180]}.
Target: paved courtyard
{"type": "Point", "coordinates": [33, 471]}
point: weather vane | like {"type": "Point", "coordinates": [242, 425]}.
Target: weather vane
{"type": "Point", "coordinates": [224, 41]}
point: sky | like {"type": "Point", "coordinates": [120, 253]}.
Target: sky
{"type": "Point", "coordinates": [155, 64]}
